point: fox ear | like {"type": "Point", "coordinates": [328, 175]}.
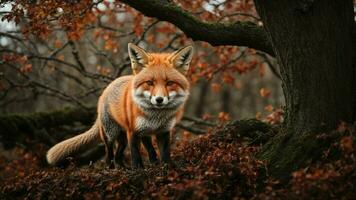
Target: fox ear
{"type": "Point", "coordinates": [181, 58]}
{"type": "Point", "coordinates": [138, 57]}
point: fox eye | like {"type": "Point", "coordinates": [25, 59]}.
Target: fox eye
{"type": "Point", "coordinates": [150, 83]}
{"type": "Point", "coordinates": [169, 83]}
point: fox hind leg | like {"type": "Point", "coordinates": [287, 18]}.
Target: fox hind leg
{"type": "Point", "coordinates": [111, 131]}
{"type": "Point", "coordinates": [147, 143]}
{"type": "Point", "coordinates": [108, 149]}
{"type": "Point", "coordinates": [109, 155]}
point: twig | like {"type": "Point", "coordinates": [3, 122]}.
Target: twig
{"type": "Point", "coordinates": [199, 121]}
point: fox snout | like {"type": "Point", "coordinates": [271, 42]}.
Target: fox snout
{"type": "Point", "coordinates": [148, 100]}
{"type": "Point", "coordinates": [159, 100]}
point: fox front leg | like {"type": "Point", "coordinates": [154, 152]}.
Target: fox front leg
{"type": "Point", "coordinates": [164, 145]}
{"type": "Point", "coordinates": [147, 143]}
{"type": "Point", "coordinates": [135, 142]}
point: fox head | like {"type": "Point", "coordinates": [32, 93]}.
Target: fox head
{"type": "Point", "coordinates": [159, 78]}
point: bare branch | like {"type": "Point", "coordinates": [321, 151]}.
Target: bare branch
{"type": "Point", "coordinates": [76, 55]}
{"type": "Point", "coordinates": [55, 91]}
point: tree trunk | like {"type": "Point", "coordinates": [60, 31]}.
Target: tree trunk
{"type": "Point", "coordinates": [313, 42]}
{"type": "Point", "coordinates": [204, 91]}
{"type": "Point", "coordinates": [226, 100]}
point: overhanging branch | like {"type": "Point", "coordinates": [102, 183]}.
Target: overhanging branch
{"type": "Point", "coordinates": [239, 33]}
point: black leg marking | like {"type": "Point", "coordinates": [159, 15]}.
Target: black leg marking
{"type": "Point", "coordinates": [135, 143]}
{"type": "Point", "coordinates": [122, 143]}
{"type": "Point", "coordinates": [109, 154]}
{"type": "Point", "coordinates": [164, 146]}
{"type": "Point", "coordinates": [147, 143]}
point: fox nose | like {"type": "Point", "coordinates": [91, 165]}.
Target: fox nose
{"type": "Point", "coordinates": [159, 100]}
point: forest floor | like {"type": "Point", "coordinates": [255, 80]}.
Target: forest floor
{"type": "Point", "coordinates": [217, 165]}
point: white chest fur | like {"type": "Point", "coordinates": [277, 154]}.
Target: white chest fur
{"type": "Point", "coordinates": [155, 123]}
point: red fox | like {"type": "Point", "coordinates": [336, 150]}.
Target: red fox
{"type": "Point", "coordinates": [149, 102]}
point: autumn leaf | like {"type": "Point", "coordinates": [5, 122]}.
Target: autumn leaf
{"type": "Point", "coordinates": [206, 116]}
{"type": "Point", "coordinates": [26, 68]}
{"type": "Point", "coordinates": [264, 92]}
{"type": "Point", "coordinates": [194, 78]}
{"type": "Point", "coordinates": [346, 144]}
{"type": "Point", "coordinates": [111, 45]}
{"type": "Point", "coordinates": [138, 29]}
{"type": "Point", "coordinates": [275, 117]}
{"type": "Point", "coordinates": [215, 87]}
{"type": "Point", "coordinates": [22, 59]}
{"type": "Point", "coordinates": [74, 35]}
{"type": "Point", "coordinates": [238, 85]}
{"type": "Point", "coordinates": [223, 116]}
{"type": "Point", "coordinates": [269, 108]}
{"type": "Point", "coordinates": [227, 78]}
{"type": "Point", "coordinates": [202, 65]}
{"type": "Point", "coordinates": [96, 33]}
{"type": "Point", "coordinates": [103, 70]}
{"type": "Point", "coordinates": [57, 44]}
{"type": "Point", "coordinates": [258, 115]}
{"type": "Point", "coordinates": [151, 39]}
{"type": "Point", "coordinates": [60, 57]}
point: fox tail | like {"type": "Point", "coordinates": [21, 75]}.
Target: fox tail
{"type": "Point", "coordinates": [74, 145]}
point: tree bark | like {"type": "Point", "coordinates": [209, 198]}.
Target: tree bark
{"type": "Point", "coordinates": [204, 91]}
{"type": "Point", "coordinates": [225, 100]}
{"type": "Point", "coordinates": [313, 42]}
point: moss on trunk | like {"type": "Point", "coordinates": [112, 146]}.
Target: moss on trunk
{"type": "Point", "coordinates": [287, 152]}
